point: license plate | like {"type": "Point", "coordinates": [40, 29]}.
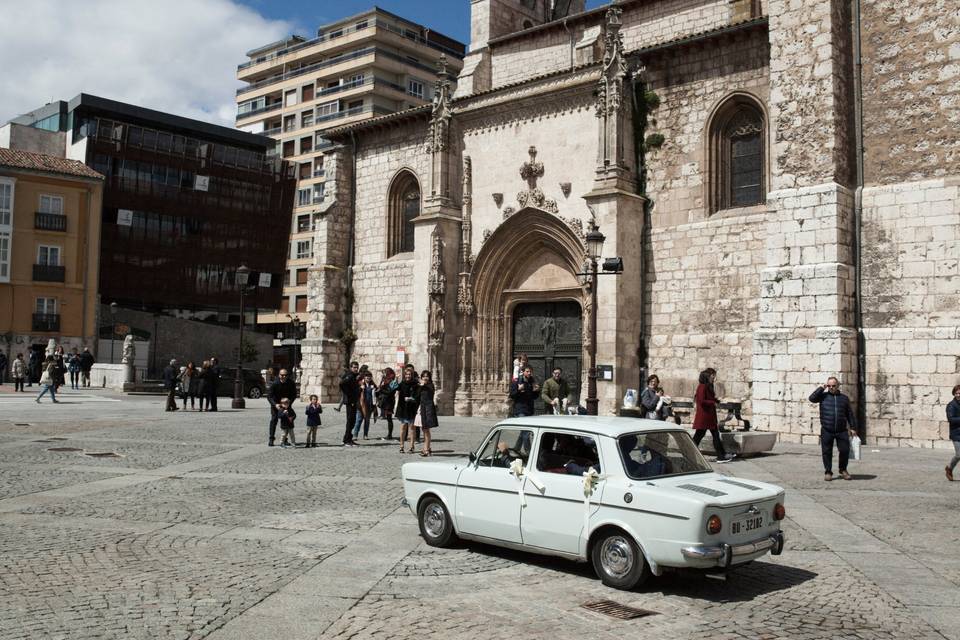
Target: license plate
{"type": "Point", "coordinates": [744, 525]}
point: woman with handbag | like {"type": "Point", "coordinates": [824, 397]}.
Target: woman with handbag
{"type": "Point", "coordinates": [48, 379]}
{"type": "Point", "coordinates": [428, 411]}
{"type": "Point", "coordinates": [705, 418]}
{"type": "Point", "coordinates": [408, 401]}
{"type": "Point", "coordinates": [188, 385]}
{"type": "Point", "coordinates": [387, 398]}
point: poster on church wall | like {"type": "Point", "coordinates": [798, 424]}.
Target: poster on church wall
{"type": "Point", "coordinates": [265, 280]}
{"type": "Point", "coordinates": [125, 217]}
{"type": "Point", "coordinates": [201, 183]}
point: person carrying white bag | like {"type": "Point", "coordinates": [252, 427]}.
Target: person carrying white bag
{"type": "Point", "coordinates": [837, 424]}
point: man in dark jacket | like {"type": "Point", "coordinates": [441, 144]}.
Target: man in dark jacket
{"type": "Point", "coordinates": [524, 391]}
{"type": "Point", "coordinates": [170, 374]}
{"type": "Point", "coordinates": [350, 391]}
{"type": "Point", "coordinates": [33, 367]}
{"type": "Point", "coordinates": [953, 419]}
{"type": "Point", "coordinates": [837, 423]}
{"type": "Point", "coordinates": [86, 364]}
{"type": "Point", "coordinates": [214, 382]}
{"type": "Point", "coordinates": [282, 387]}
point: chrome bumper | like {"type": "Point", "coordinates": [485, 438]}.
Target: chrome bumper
{"type": "Point", "coordinates": [725, 553]}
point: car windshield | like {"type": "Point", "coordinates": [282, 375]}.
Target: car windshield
{"type": "Point", "coordinates": [654, 454]}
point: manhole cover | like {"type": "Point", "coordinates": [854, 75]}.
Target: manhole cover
{"type": "Point", "coordinates": [616, 610]}
{"type": "Point", "coordinates": [105, 454]}
{"type": "Point", "coordinates": [64, 449]}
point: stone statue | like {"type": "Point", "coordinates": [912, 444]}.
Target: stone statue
{"type": "Point", "coordinates": [129, 351]}
{"type": "Point", "coordinates": [437, 318]}
{"type": "Point", "coordinates": [548, 330]}
{"type": "Point", "coordinates": [51, 347]}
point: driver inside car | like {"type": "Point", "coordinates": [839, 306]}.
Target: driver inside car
{"type": "Point", "coordinates": [502, 457]}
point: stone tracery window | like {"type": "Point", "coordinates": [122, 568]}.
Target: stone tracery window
{"type": "Point", "coordinates": [737, 148]}
{"type": "Point", "coordinates": [403, 207]}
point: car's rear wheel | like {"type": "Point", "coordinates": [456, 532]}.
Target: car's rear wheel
{"type": "Point", "coordinates": [435, 524]}
{"type": "Point", "coordinates": [255, 392]}
{"type": "Point", "coordinates": [618, 561]}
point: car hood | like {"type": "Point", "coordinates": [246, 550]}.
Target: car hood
{"type": "Point", "coordinates": [718, 489]}
{"type": "Point", "coordinates": [445, 470]}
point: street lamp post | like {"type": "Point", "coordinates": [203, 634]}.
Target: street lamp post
{"type": "Point", "coordinates": [243, 275]}
{"type": "Point", "coordinates": [296, 323]}
{"type": "Point", "coordinates": [594, 248]}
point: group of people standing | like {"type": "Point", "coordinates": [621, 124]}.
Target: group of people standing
{"type": "Point", "coordinates": [51, 371]}
{"type": "Point", "coordinates": [192, 384]}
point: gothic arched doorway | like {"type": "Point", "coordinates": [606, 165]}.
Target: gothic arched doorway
{"type": "Point", "coordinates": [551, 335]}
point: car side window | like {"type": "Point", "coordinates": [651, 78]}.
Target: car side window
{"type": "Point", "coordinates": [505, 446]}
{"type": "Point", "coordinates": [568, 453]}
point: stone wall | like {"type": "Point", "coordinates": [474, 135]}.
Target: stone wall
{"type": "Point", "coordinates": [911, 86]}
{"type": "Point", "coordinates": [911, 301]}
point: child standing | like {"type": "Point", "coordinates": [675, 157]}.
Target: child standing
{"type": "Point", "coordinates": [313, 412]}
{"type": "Point", "coordinates": [287, 416]}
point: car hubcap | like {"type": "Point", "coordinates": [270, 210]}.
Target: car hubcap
{"type": "Point", "coordinates": [616, 556]}
{"type": "Point", "coordinates": [434, 520]}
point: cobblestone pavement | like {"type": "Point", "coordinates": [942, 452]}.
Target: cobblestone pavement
{"type": "Point", "coordinates": [198, 530]}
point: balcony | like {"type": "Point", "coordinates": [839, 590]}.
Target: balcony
{"type": "Point", "coordinates": [46, 322]}
{"type": "Point", "coordinates": [319, 173]}
{"type": "Point", "coordinates": [49, 221]}
{"type": "Point", "coordinates": [255, 112]}
{"type": "Point", "coordinates": [49, 273]}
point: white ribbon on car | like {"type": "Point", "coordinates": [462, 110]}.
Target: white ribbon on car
{"type": "Point", "coordinates": [591, 478]}
{"type": "Point", "coordinates": [519, 472]}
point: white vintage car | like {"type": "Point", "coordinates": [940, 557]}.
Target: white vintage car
{"type": "Point", "coordinates": [631, 496]}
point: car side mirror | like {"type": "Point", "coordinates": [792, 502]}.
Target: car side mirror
{"type": "Point", "coordinates": [473, 457]}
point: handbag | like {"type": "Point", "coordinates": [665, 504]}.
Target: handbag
{"type": "Point", "coordinates": [855, 448]}
{"type": "Point", "coordinates": [417, 420]}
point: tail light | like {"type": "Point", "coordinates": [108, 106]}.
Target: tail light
{"type": "Point", "coordinates": [779, 513]}
{"type": "Point", "coordinates": [714, 525]}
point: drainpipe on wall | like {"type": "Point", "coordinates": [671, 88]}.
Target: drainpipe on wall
{"type": "Point", "coordinates": [858, 223]}
{"type": "Point", "coordinates": [85, 261]}
{"type": "Point", "coordinates": [348, 292]}
{"type": "Point", "coordinates": [572, 43]}
{"type": "Point", "coordinates": [639, 126]}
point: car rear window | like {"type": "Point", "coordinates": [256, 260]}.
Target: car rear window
{"type": "Point", "coordinates": [654, 454]}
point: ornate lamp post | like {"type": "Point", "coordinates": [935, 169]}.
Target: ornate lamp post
{"type": "Point", "coordinates": [594, 249]}
{"type": "Point", "coordinates": [243, 275]}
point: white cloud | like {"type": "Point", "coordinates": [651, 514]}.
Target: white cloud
{"type": "Point", "coordinates": [178, 56]}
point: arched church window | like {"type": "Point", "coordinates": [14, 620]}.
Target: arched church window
{"type": "Point", "coordinates": [404, 206]}
{"type": "Point", "coordinates": [737, 155]}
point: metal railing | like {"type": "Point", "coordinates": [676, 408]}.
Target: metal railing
{"type": "Point", "coordinates": [49, 273]}
{"type": "Point", "coordinates": [46, 322]}
{"type": "Point", "coordinates": [255, 112]}
{"type": "Point", "coordinates": [49, 221]}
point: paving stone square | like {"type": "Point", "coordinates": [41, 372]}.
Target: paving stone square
{"type": "Point", "coordinates": [200, 530]}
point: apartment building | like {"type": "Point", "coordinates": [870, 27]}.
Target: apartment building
{"type": "Point", "coordinates": [370, 64]}
{"type": "Point", "coordinates": [49, 251]}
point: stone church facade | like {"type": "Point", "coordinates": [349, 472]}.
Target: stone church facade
{"type": "Point", "coordinates": [780, 178]}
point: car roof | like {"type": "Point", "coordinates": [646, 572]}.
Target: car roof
{"type": "Point", "coordinates": [611, 426]}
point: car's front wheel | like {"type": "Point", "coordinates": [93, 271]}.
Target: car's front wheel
{"type": "Point", "coordinates": [435, 524]}
{"type": "Point", "coordinates": [255, 392]}
{"type": "Point", "coordinates": [618, 561]}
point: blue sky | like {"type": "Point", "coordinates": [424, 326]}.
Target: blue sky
{"type": "Point", "coordinates": [450, 17]}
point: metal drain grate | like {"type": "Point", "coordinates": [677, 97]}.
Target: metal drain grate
{"type": "Point", "coordinates": [21, 424]}
{"type": "Point", "coordinates": [64, 449]}
{"type": "Point", "coordinates": [105, 454]}
{"type": "Point", "coordinates": [57, 438]}
{"type": "Point", "coordinates": [616, 610]}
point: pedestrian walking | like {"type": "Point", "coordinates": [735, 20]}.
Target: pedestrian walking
{"type": "Point", "coordinates": [214, 387]}
{"type": "Point", "coordinates": [705, 418]}
{"type": "Point", "coordinates": [48, 379]}
{"type": "Point", "coordinates": [524, 391]}
{"type": "Point", "coordinates": [313, 411]}
{"type": "Point", "coordinates": [837, 424]}
{"type": "Point", "coordinates": [366, 406]}
{"type": "Point", "coordinates": [350, 392]}
{"type": "Point", "coordinates": [408, 401]}
{"type": "Point", "coordinates": [953, 420]}
{"type": "Point", "coordinates": [19, 372]}
{"type": "Point", "coordinates": [73, 367]}
{"type": "Point", "coordinates": [428, 411]}
{"type": "Point", "coordinates": [3, 368]}
{"type": "Point", "coordinates": [282, 387]}
{"type": "Point", "coordinates": [189, 379]}
{"type": "Point", "coordinates": [555, 392]}
{"type": "Point", "coordinates": [287, 416]}
{"type": "Point", "coordinates": [86, 364]}
{"type": "Point", "coordinates": [170, 374]}
{"type": "Point", "coordinates": [387, 398]}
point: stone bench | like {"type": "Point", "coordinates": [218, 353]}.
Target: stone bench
{"type": "Point", "coordinates": [742, 443]}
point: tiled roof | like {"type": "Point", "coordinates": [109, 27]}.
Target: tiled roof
{"type": "Point", "coordinates": [336, 132]}
{"type": "Point", "coordinates": [16, 159]}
